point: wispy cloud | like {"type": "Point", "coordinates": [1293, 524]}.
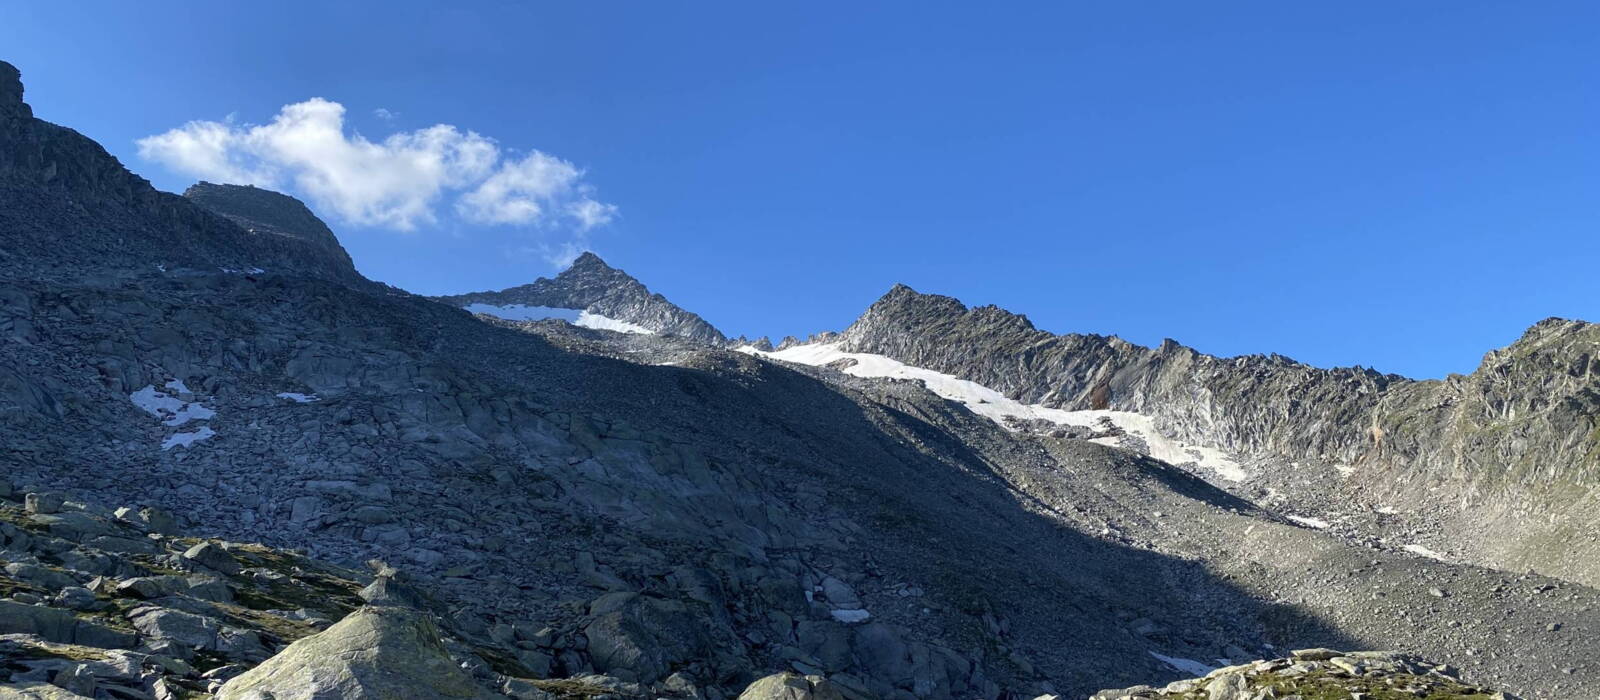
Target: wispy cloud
{"type": "Point", "coordinates": [399, 182]}
{"type": "Point", "coordinates": [385, 114]}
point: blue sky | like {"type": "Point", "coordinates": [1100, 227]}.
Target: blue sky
{"type": "Point", "coordinates": [1397, 185]}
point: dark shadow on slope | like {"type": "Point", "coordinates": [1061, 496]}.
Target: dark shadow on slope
{"type": "Point", "coordinates": [941, 514]}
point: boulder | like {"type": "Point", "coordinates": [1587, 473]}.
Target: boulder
{"type": "Point", "coordinates": [374, 653]}
{"type": "Point", "coordinates": [791, 686]}
{"type": "Point", "coordinates": [36, 690]}
{"type": "Point", "coordinates": [213, 557]}
{"type": "Point", "coordinates": [60, 626]}
{"type": "Point", "coordinates": [43, 503]}
{"type": "Point", "coordinates": [196, 631]}
{"type": "Point", "coordinates": [645, 636]}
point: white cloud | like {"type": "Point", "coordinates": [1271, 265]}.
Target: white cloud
{"type": "Point", "coordinates": [385, 114]}
{"type": "Point", "coordinates": [520, 192]}
{"type": "Point", "coordinates": [202, 148]}
{"type": "Point", "coordinates": [397, 182]}
{"type": "Point", "coordinates": [590, 213]}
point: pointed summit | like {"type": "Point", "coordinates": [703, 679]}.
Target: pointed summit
{"type": "Point", "coordinates": [588, 260]}
{"type": "Point", "coordinates": [605, 296]}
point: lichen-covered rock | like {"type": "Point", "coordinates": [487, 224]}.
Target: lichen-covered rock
{"type": "Point", "coordinates": [375, 653]}
{"type": "Point", "coordinates": [36, 690]}
{"type": "Point", "coordinates": [791, 686]}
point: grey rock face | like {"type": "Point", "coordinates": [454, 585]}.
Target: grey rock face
{"type": "Point", "coordinates": [260, 211]}
{"type": "Point", "coordinates": [71, 210]}
{"type": "Point", "coordinates": [592, 285]}
{"type": "Point", "coordinates": [1516, 436]}
{"type": "Point", "coordinates": [1252, 404]}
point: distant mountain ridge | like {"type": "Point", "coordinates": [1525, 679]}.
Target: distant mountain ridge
{"type": "Point", "coordinates": [1519, 435]}
{"type": "Point", "coordinates": [589, 284]}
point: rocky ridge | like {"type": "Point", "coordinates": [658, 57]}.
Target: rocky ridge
{"type": "Point", "coordinates": [1473, 455]}
{"type": "Point", "coordinates": [71, 210]}
{"type": "Point", "coordinates": [260, 211]}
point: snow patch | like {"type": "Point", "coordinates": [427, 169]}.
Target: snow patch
{"type": "Point", "coordinates": [1424, 551]}
{"type": "Point", "coordinates": [174, 411]}
{"type": "Point", "coordinates": [592, 320]}
{"type": "Point", "coordinates": [1316, 523]}
{"type": "Point", "coordinates": [169, 408]}
{"type": "Point", "coordinates": [997, 406]}
{"type": "Point", "coordinates": [156, 403]}
{"type": "Point", "coordinates": [298, 397]}
{"type": "Point", "coordinates": [520, 312]}
{"type": "Point", "coordinates": [576, 317]}
{"type": "Point", "coordinates": [187, 439]}
{"type": "Point", "coordinates": [189, 412]}
{"type": "Point", "coordinates": [851, 616]}
{"type": "Point", "coordinates": [1189, 666]}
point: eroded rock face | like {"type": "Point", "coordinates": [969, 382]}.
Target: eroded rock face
{"type": "Point", "coordinates": [1515, 436]}
{"type": "Point", "coordinates": [375, 653]}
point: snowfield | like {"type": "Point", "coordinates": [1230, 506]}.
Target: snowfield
{"type": "Point", "coordinates": [996, 406]}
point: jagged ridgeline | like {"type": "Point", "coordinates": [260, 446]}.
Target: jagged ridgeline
{"type": "Point", "coordinates": [586, 491]}
{"type": "Point", "coordinates": [1474, 455]}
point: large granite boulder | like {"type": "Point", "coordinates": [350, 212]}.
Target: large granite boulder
{"type": "Point", "coordinates": [791, 686]}
{"type": "Point", "coordinates": [374, 653]}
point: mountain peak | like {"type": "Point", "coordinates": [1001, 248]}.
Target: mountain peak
{"type": "Point", "coordinates": [587, 261]}
{"type": "Point", "coordinates": [591, 285]}
{"type": "Point", "coordinates": [11, 90]}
